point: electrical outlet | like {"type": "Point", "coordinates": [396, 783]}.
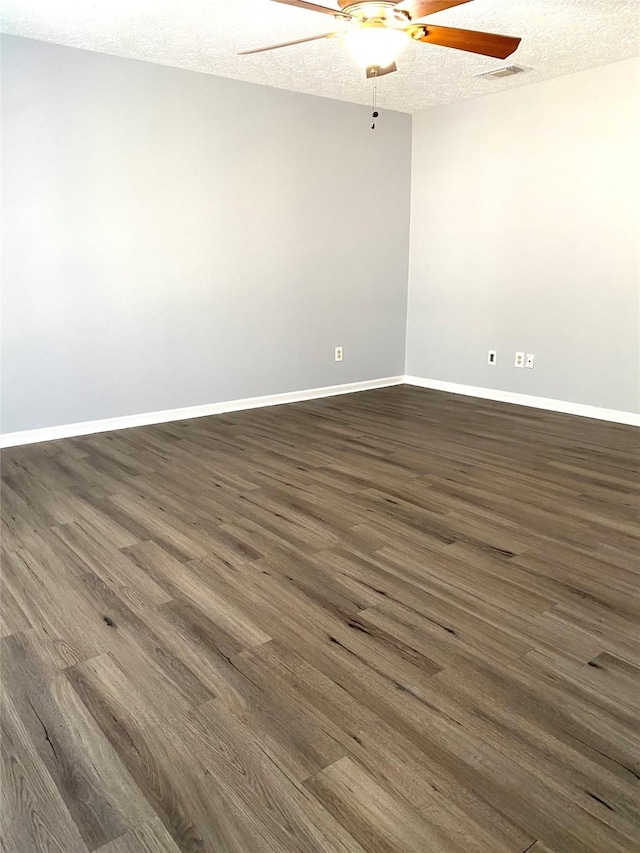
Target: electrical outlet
{"type": "Point", "coordinates": [492, 357]}
{"type": "Point", "coordinates": [338, 353]}
{"type": "Point", "coordinates": [529, 361]}
{"type": "Point", "coordinates": [519, 362]}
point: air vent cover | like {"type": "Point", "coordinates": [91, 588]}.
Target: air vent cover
{"type": "Point", "coordinates": [505, 71]}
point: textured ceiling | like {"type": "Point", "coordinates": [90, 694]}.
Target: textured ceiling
{"type": "Point", "coordinates": [558, 37]}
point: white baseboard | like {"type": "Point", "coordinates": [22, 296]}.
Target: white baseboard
{"type": "Point", "coordinates": [32, 436]}
{"type": "Point", "coordinates": [581, 409]}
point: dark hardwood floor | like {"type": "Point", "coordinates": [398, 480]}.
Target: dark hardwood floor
{"type": "Point", "coordinates": [398, 621]}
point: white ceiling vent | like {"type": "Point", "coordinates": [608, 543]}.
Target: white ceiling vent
{"type": "Point", "coordinates": [505, 71]}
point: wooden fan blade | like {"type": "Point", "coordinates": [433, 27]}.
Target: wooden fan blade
{"type": "Point", "coordinates": [421, 8]}
{"type": "Point", "coordinates": [487, 44]}
{"type": "Point", "coordinates": [314, 7]}
{"type": "Point", "coordinates": [285, 44]}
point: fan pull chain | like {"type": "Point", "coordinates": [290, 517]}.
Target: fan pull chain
{"type": "Point", "coordinates": [374, 114]}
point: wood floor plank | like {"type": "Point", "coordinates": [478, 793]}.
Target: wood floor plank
{"type": "Point", "coordinates": [378, 747]}
{"type": "Point", "coordinates": [196, 812]}
{"type": "Point", "coordinates": [257, 786]}
{"type": "Point", "coordinates": [538, 742]}
{"type": "Point", "coordinates": [164, 678]}
{"type": "Point", "coordinates": [33, 814]}
{"type": "Point", "coordinates": [97, 790]}
{"type": "Point", "coordinates": [12, 616]}
{"type": "Point", "coordinates": [49, 599]}
{"type": "Point", "coordinates": [375, 817]}
{"type": "Point", "coordinates": [150, 837]}
{"type": "Point", "coordinates": [392, 621]}
{"type": "Point", "coordinates": [135, 587]}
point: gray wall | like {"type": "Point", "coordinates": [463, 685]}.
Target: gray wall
{"type": "Point", "coordinates": [525, 235]}
{"type": "Point", "coordinates": [173, 238]}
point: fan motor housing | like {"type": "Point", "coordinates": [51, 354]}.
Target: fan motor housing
{"type": "Point", "coordinates": [375, 10]}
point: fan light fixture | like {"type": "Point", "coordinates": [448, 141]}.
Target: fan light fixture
{"type": "Point", "coordinates": [375, 44]}
{"type": "Point", "coordinates": [379, 29]}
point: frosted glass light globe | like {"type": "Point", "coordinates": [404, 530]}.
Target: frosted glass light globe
{"type": "Point", "coordinates": [375, 45]}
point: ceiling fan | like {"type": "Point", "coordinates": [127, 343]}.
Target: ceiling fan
{"type": "Point", "coordinates": [377, 30]}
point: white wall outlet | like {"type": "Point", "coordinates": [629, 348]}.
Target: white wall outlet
{"type": "Point", "coordinates": [529, 361]}
{"type": "Point", "coordinates": [338, 353]}
{"type": "Point", "coordinates": [492, 358]}
{"type": "Point", "coordinates": [519, 362]}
